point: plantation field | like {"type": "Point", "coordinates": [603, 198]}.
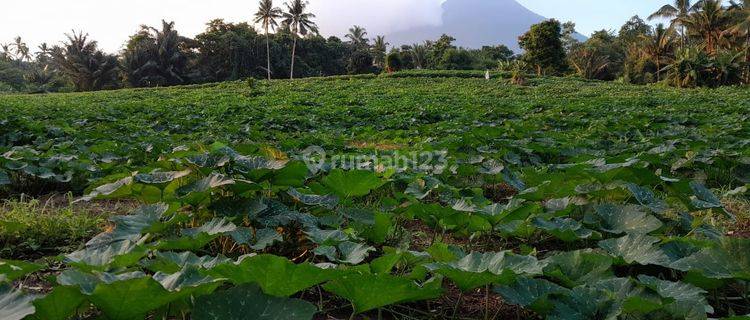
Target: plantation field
{"type": "Point", "coordinates": [421, 195]}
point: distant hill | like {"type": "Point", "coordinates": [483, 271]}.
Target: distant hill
{"type": "Point", "coordinates": [475, 23]}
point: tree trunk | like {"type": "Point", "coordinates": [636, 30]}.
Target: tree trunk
{"type": "Point", "coordinates": [294, 51]}
{"type": "Point", "coordinates": [658, 70]}
{"type": "Point", "coordinates": [747, 58]}
{"type": "Point", "coordinates": [268, 55]}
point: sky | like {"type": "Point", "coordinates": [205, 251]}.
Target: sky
{"type": "Point", "coordinates": [112, 22]}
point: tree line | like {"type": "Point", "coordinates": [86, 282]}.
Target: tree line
{"type": "Point", "coordinates": [287, 45]}
{"type": "Point", "coordinates": [705, 44]}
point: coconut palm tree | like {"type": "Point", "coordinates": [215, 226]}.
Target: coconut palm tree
{"type": "Point", "coordinates": [710, 23]}
{"type": "Point", "coordinates": [358, 36]}
{"type": "Point", "coordinates": [6, 52]}
{"type": "Point", "coordinates": [741, 13]}
{"type": "Point", "coordinates": [21, 49]}
{"type": "Point", "coordinates": [420, 55]}
{"type": "Point", "coordinates": [379, 48]}
{"type": "Point", "coordinates": [676, 12]}
{"type": "Point", "coordinates": [658, 47]}
{"type": "Point", "coordinates": [267, 15]}
{"type": "Point", "coordinates": [300, 23]}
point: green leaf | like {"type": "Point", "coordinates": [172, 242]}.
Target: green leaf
{"type": "Point", "coordinates": [479, 269]}
{"type": "Point", "coordinates": [683, 300]}
{"type": "Point", "coordinates": [728, 259]}
{"type": "Point", "coordinates": [14, 305]}
{"type": "Point", "coordinates": [626, 219]}
{"type": "Point", "coordinates": [249, 302]}
{"type": "Point", "coordinates": [578, 267]}
{"type": "Point", "coordinates": [367, 291]}
{"type": "Point", "coordinates": [647, 198]}
{"type": "Point", "coordinates": [11, 270]}
{"type": "Point", "coordinates": [354, 183]}
{"type": "Point", "coordinates": [565, 229]}
{"type": "Point", "coordinates": [204, 185]}
{"type": "Point", "coordinates": [527, 292]}
{"type": "Point", "coordinates": [171, 262]}
{"type": "Point", "coordinates": [160, 179]}
{"type": "Point", "coordinates": [60, 304]}
{"type": "Point", "coordinates": [638, 248]}
{"type": "Point", "coordinates": [115, 255]}
{"type": "Point", "coordinates": [130, 299]}
{"type": "Point", "coordinates": [130, 227]}
{"type": "Point", "coordinates": [327, 201]}
{"type": "Point", "coordinates": [109, 189]}
{"type": "Point", "coordinates": [4, 178]}
{"type": "Point", "coordinates": [346, 252]}
{"type": "Point", "coordinates": [276, 275]}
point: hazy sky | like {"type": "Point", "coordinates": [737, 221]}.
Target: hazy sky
{"type": "Point", "coordinates": [111, 22]}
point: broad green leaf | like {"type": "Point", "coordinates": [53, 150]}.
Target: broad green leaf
{"type": "Point", "coordinates": [683, 300]}
{"type": "Point", "coordinates": [346, 252]}
{"type": "Point", "coordinates": [276, 275]}
{"type": "Point", "coordinates": [60, 304]}
{"type": "Point", "coordinates": [249, 302]}
{"type": "Point", "coordinates": [327, 201]}
{"type": "Point", "coordinates": [130, 227]}
{"type": "Point", "coordinates": [14, 305]}
{"type": "Point", "coordinates": [638, 248]}
{"type": "Point", "coordinates": [109, 189]}
{"type": "Point", "coordinates": [117, 254]}
{"type": "Point", "coordinates": [215, 180]}
{"type": "Point", "coordinates": [130, 299]}
{"type": "Point", "coordinates": [626, 219]}
{"type": "Point", "coordinates": [172, 262]}
{"type": "Point", "coordinates": [728, 259]}
{"type": "Point", "coordinates": [565, 229]}
{"type": "Point", "coordinates": [367, 291]}
{"type": "Point", "coordinates": [4, 178]}
{"type": "Point", "coordinates": [160, 179]}
{"type": "Point", "coordinates": [354, 183]}
{"type": "Point", "coordinates": [528, 292]}
{"type": "Point", "coordinates": [11, 270]}
{"type": "Point", "coordinates": [578, 267]}
{"type": "Point", "coordinates": [479, 269]}
{"type": "Point", "coordinates": [647, 198]}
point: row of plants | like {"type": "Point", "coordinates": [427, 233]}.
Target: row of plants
{"type": "Point", "coordinates": [566, 199]}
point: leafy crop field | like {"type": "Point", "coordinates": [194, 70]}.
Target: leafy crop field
{"type": "Point", "coordinates": [415, 196]}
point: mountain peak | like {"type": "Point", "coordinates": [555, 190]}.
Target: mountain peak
{"type": "Point", "coordinates": [475, 23]}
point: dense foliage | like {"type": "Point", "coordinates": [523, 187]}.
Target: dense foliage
{"type": "Point", "coordinates": [571, 199]}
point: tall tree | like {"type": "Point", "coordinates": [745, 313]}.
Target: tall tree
{"type": "Point", "coordinates": [419, 55]}
{"type": "Point", "coordinates": [658, 47]}
{"type": "Point", "coordinates": [677, 13]}
{"type": "Point", "coordinates": [544, 47]}
{"type": "Point", "coordinates": [709, 23]}
{"type": "Point", "coordinates": [87, 67]}
{"type": "Point", "coordinates": [741, 13]}
{"type": "Point", "coordinates": [267, 15]}
{"type": "Point", "coordinates": [157, 57]}
{"type": "Point", "coordinates": [379, 48]}
{"type": "Point", "coordinates": [21, 50]}
{"type": "Point", "coordinates": [358, 36]}
{"type": "Point", "coordinates": [300, 23]}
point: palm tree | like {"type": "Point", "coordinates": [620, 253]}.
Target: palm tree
{"type": "Point", "coordinates": [358, 36]}
{"type": "Point", "coordinates": [266, 16]}
{"type": "Point", "coordinates": [300, 23]}
{"type": "Point", "coordinates": [6, 52]}
{"type": "Point", "coordinates": [379, 48]}
{"type": "Point", "coordinates": [658, 47]}
{"type": "Point", "coordinates": [741, 12]}
{"type": "Point", "coordinates": [710, 23]}
{"type": "Point", "coordinates": [21, 49]}
{"type": "Point", "coordinates": [676, 13]}
{"type": "Point", "coordinates": [420, 55]}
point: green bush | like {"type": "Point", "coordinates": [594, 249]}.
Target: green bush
{"type": "Point", "coordinates": [30, 227]}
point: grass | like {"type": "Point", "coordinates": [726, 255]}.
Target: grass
{"type": "Point", "coordinates": [34, 228]}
